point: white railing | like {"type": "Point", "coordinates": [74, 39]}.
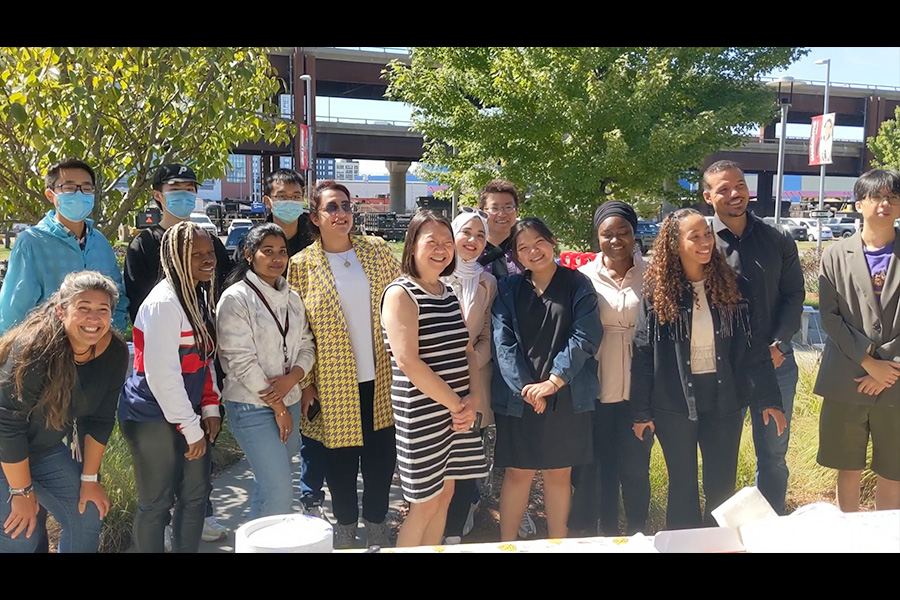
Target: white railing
{"type": "Point", "coordinates": [359, 121]}
{"type": "Point", "coordinates": [852, 86]}
{"type": "Point", "coordinates": [382, 49]}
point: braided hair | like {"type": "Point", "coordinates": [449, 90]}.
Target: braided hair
{"type": "Point", "coordinates": [175, 254]}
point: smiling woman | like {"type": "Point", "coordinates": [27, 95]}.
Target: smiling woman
{"type": "Point", "coordinates": [62, 370]}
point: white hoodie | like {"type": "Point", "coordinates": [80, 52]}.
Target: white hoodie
{"type": "Point", "coordinates": [250, 344]}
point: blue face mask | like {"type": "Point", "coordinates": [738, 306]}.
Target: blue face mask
{"type": "Point", "coordinates": [75, 206]}
{"type": "Point", "coordinates": [287, 211]}
{"type": "Point", "coordinates": [181, 203]}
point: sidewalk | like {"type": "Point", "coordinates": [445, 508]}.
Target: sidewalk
{"type": "Point", "coordinates": [231, 501]}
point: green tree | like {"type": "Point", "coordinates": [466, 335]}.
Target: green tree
{"type": "Point", "coordinates": [575, 126]}
{"type": "Point", "coordinates": [886, 145]}
{"type": "Point", "coordinates": [126, 111]}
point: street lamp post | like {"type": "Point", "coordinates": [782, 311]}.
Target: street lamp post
{"type": "Point", "coordinates": [307, 113]}
{"type": "Point", "coordinates": [827, 63]}
{"type": "Point", "coordinates": [785, 104]}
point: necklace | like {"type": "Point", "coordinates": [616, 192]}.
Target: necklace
{"type": "Point", "coordinates": [346, 257]}
{"type": "Point", "coordinates": [90, 350]}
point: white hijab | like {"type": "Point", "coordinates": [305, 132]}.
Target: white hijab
{"type": "Point", "coordinates": [467, 275]}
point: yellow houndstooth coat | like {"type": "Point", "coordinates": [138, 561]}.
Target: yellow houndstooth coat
{"type": "Point", "coordinates": [334, 373]}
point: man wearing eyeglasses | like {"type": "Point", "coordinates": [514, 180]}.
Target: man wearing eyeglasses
{"type": "Point", "coordinates": [64, 241]}
{"type": "Point", "coordinates": [500, 200]}
{"type": "Point", "coordinates": [859, 299]}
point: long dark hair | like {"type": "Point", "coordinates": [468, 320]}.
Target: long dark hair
{"type": "Point", "coordinates": [408, 258]}
{"type": "Point", "coordinates": [175, 255]}
{"type": "Point", "coordinates": [253, 240]}
{"type": "Point", "coordinates": [40, 342]}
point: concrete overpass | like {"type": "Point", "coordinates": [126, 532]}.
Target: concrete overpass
{"type": "Point", "coordinates": [357, 73]}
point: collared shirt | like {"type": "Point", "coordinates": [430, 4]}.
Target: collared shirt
{"type": "Point", "coordinates": [771, 277]}
{"type": "Point", "coordinates": [618, 306]}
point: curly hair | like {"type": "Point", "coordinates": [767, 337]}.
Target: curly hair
{"type": "Point", "coordinates": [666, 284]}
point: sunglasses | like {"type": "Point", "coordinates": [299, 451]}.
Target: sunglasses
{"type": "Point", "coordinates": [332, 207]}
{"type": "Point", "coordinates": [472, 209]}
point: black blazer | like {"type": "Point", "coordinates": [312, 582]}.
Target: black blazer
{"type": "Point", "coordinates": [661, 375]}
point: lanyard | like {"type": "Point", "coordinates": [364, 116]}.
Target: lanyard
{"type": "Point", "coordinates": [287, 320]}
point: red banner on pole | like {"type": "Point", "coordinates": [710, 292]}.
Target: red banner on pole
{"type": "Point", "coordinates": [304, 147]}
{"type": "Point", "coordinates": [821, 139]}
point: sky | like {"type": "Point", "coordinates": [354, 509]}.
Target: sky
{"type": "Point", "coordinates": [874, 66]}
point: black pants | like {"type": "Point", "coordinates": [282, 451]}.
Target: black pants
{"type": "Point", "coordinates": [165, 478]}
{"type": "Point", "coordinates": [719, 437]}
{"type": "Point", "coordinates": [376, 458]}
{"type": "Point", "coordinates": [465, 494]}
{"type": "Point", "coordinates": [620, 458]}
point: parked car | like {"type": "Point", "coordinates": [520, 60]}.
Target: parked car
{"type": "Point", "coordinates": [841, 226]}
{"type": "Point", "coordinates": [813, 229]}
{"type": "Point", "coordinates": [796, 231]}
{"type": "Point", "coordinates": [235, 235]}
{"type": "Point", "coordinates": [204, 221]}
{"type": "Point", "coordinates": [645, 235]}
{"type": "Point", "coordinates": [236, 223]}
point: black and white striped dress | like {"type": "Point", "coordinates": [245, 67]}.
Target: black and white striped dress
{"type": "Point", "coordinates": [428, 450]}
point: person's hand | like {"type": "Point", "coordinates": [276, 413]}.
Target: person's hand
{"type": "Point", "coordinates": [306, 397]}
{"type": "Point", "coordinates": [280, 388]}
{"type": "Point", "coordinates": [462, 420]}
{"type": "Point", "coordinates": [777, 356]}
{"type": "Point", "coordinates": [284, 420]}
{"type": "Point", "coordinates": [884, 372]}
{"type": "Point", "coordinates": [212, 426]}
{"type": "Point", "coordinates": [92, 491]}
{"type": "Point", "coordinates": [867, 385]}
{"type": "Point", "coordinates": [778, 415]}
{"type": "Point", "coordinates": [533, 391]}
{"type": "Point", "coordinates": [639, 428]}
{"type": "Point", "coordinates": [196, 450]}
{"type": "Point", "coordinates": [540, 405]}
{"type": "Point", "coordinates": [22, 516]}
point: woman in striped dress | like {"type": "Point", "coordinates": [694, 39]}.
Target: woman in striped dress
{"type": "Point", "coordinates": [435, 368]}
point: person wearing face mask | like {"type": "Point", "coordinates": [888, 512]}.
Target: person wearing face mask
{"type": "Point", "coordinates": [175, 192]}
{"type": "Point", "coordinates": [63, 242]}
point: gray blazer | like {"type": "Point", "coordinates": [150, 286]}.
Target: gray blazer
{"type": "Point", "coordinates": [855, 323]}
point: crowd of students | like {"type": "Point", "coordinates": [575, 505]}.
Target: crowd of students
{"type": "Point", "coordinates": [318, 344]}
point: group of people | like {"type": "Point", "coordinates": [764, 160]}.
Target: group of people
{"type": "Point", "coordinates": [318, 344]}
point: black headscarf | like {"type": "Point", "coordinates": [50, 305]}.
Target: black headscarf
{"type": "Point", "coordinates": [614, 208]}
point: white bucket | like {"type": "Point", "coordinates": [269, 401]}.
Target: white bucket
{"type": "Point", "coordinates": [294, 533]}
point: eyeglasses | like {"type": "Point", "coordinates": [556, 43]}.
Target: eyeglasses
{"type": "Point", "coordinates": [472, 209]}
{"type": "Point", "coordinates": [296, 198]}
{"type": "Point", "coordinates": [68, 188]}
{"type": "Point", "coordinates": [332, 207]}
{"type": "Point", "coordinates": [496, 210]}
{"type": "Point", "coordinates": [894, 199]}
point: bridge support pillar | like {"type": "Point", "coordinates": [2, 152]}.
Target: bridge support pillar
{"type": "Point", "coordinates": [397, 170]}
{"type": "Point", "coordinates": [765, 196]}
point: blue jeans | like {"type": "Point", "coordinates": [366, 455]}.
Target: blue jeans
{"type": "Point", "coordinates": [771, 467]}
{"type": "Point", "coordinates": [255, 429]}
{"type": "Point", "coordinates": [312, 471]}
{"type": "Point", "coordinates": [57, 484]}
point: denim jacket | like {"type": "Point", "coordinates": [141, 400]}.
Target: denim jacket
{"type": "Point", "coordinates": [576, 365]}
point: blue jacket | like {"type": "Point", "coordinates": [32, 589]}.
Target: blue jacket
{"type": "Point", "coordinates": [575, 365]}
{"type": "Point", "coordinates": [41, 258]}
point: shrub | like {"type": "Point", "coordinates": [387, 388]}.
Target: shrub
{"type": "Point", "coordinates": [809, 262]}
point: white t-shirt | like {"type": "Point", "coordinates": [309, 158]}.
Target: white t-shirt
{"type": "Point", "coordinates": [703, 341]}
{"type": "Point", "coordinates": [353, 290]}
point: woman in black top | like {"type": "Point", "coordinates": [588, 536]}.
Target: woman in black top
{"type": "Point", "coordinates": [61, 374]}
{"type": "Point", "coordinates": [693, 370]}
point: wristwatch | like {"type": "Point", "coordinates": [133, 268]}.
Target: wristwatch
{"type": "Point", "coordinates": [91, 478]}
{"type": "Point", "coordinates": [784, 347]}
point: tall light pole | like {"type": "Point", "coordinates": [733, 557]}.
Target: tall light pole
{"type": "Point", "coordinates": [784, 102]}
{"type": "Point", "coordinates": [827, 63]}
{"type": "Point", "coordinates": [307, 112]}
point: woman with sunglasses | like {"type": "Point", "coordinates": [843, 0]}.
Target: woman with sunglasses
{"type": "Point", "coordinates": [346, 398]}
{"type": "Point", "coordinates": [475, 289]}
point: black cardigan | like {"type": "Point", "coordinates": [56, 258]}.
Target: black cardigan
{"type": "Point", "coordinates": [661, 375]}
